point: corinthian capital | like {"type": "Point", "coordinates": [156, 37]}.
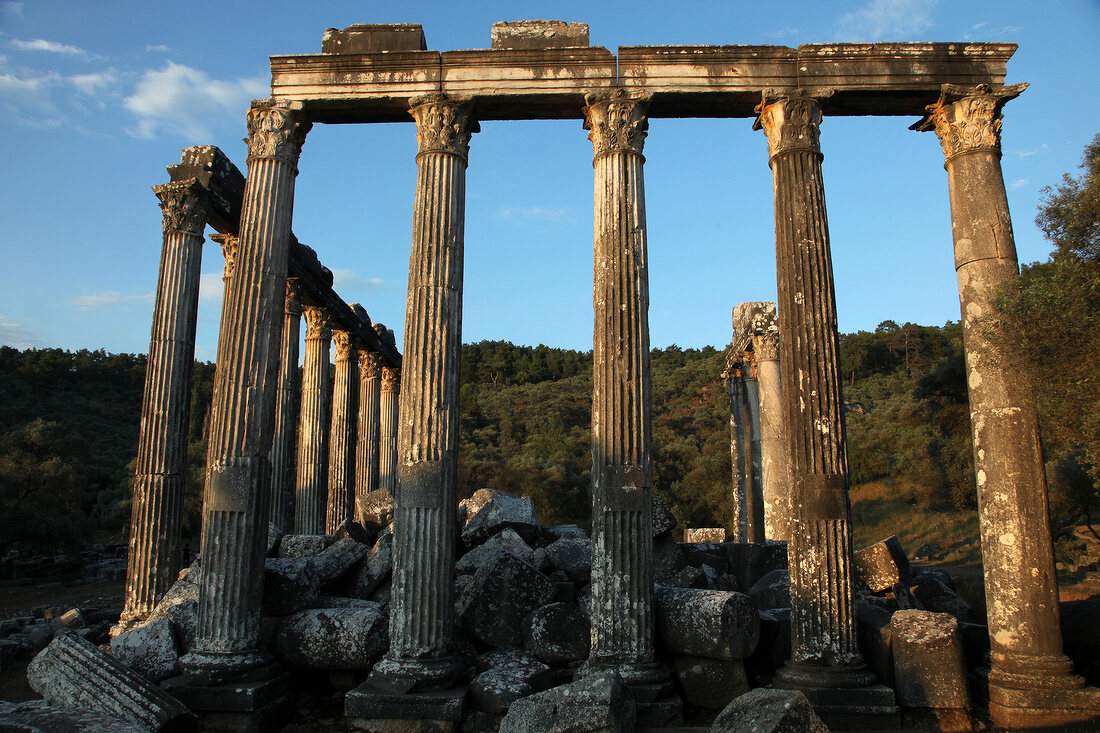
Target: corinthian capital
{"type": "Point", "coordinates": [391, 379]}
{"type": "Point", "coordinates": [966, 119]}
{"type": "Point", "coordinates": [443, 125]}
{"type": "Point", "coordinates": [345, 346]}
{"type": "Point", "coordinates": [229, 244]}
{"type": "Point", "coordinates": [370, 364]}
{"type": "Point", "coordinates": [185, 205]}
{"type": "Point", "coordinates": [318, 323]}
{"type": "Point", "coordinates": [615, 122]}
{"type": "Point", "coordinates": [293, 297]}
{"type": "Point", "coordinates": [276, 131]}
{"type": "Point", "coordinates": [791, 123]}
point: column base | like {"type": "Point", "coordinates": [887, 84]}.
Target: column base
{"type": "Point", "coordinates": [241, 707]}
{"type": "Point", "coordinates": [404, 676]}
{"type": "Point", "coordinates": [1032, 700]}
{"type": "Point", "coordinates": [369, 708]}
{"type": "Point", "coordinates": [843, 697]}
{"type": "Point", "coordinates": [217, 668]}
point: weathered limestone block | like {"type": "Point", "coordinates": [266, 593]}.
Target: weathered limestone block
{"type": "Point", "coordinates": [72, 672]}
{"type": "Point", "coordinates": [707, 553]}
{"type": "Point", "coordinates": [274, 538]}
{"type": "Point", "coordinates": [882, 565]}
{"type": "Point", "coordinates": [663, 521]}
{"type": "Point", "coordinates": [710, 683]}
{"type": "Point", "coordinates": [936, 596]}
{"type": "Point", "coordinates": [374, 38]}
{"type": "Point", "coordinates": [301, 545]}
{"type": "Point", "coordinates": [875, 640]}
{"type": "Point", "coordinates": [73, 619]}
{"type": "Point", "coordinates": [705, 534]}
{"type": "Point", "coordinates": [467, 508]}
{"type": "Point", "coordinates": [750, 561]}
{"type": "Point", "coordinates": [928, 660]}
{"type": "Point", "coordinates": [507, 538]}
{"type": "Point", "coordinates": [707, 623]}
{"type": "Point", "coordinates": [494, 690]}
{"type": "Point", "coordinates": [375, 568]}
{"type": "Point", "coordinates": [598, 702]}
{"type": "Point", "coordinates": [378, 507]}
{"type": "Point", "coordinates": [150, 650]}
{"type": "Point", "coordinates": [185, 623]}
{"type": "Point", "coordinates": [688, 577]}
{"type": "Point", "coordinates": [573, 556]}
{"type": "Point", "coordinates": [332, 638]}
{"type": "Point", "coordinates": [357, 531]}
{"type": "Point", "coordinates": [537, 34]}
{"type": "Point", "coordinates": [503, 512]}
{"type": "Point", "coordinates": [38, 716]}
{"type": "Point", "coordinates": [503, 591]}
{"type": "Point", "coordinates": [290, 585]}
{"type": "Point", "coordinates": [772, 591]}
{"type": "Point", "coordinates": [668, 559]}
{"type": "Point", "coordinates": [557, 633]}
{"type": "Point", "coordinates": [336, 560]}
{"type": "Point", "coordinates": [563, 531]}
{"type": "Point", "coordinates": [769, 711]}
{"type": "Point", "coordinates": [327, 601]}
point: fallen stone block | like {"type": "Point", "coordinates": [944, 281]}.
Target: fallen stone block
{"type": "Point", "coordinates": [558, 634]}
{"type": "Point", "coordinates": [503, 591]}
{"type": "Point", "coordinates": [332, 638]}
{"type": "Point", "coordinates": [538, 34]}
{"type": "Point", "coordinates": [72, 672]}
{"type": "Point", "coordinates": [185, 623]}
{"type": "Point", "coordinates": [337, 559]}
{"type": "Point", "coordinates": [183, 590]}
{"type": "Point", "coordinates": [507, 538]}
{"type": "Point", "coordinates": [774, 647]}
{"type": "Point", "coordinates": [936, 596]}
{"type": "Point", "coordinates": [377, 506]}
{"type": "Point", "coordinates": [73, 619]}
{"type": "Point", "coordinates": [751, 561]}
{"type": "Point", "coordinates": [301, 545]}
{"type": "Point", "coordinates": [663, 520]}
{"type": "Point", "coordinates": [929, 672]}
{"type": "Point", "coordinates": [290, 585]}
{"type": "Point", "coordinates": [710, 683]}
{"type": "Point", "coordinates": [149, 650]}
{"type": "Point", "coordinates": [274, 537]}
{"type": "Point", "coordinates": [769, 711]}
{"type": "Point", "coordinates": [326, 601]}
{"type": "Point", "coordinates": [503, 511]}
{"type": "Point", "coordinates": [38, 716]}
{"type": "Point", "coordinates": [561, 531]}
{"type": "Point", "coordinates": [599, 702]}
{"type": "Point", "coordinates": [701, 554]}
{"type": "Point", "coordinates": [704, 534]}
{"type": "Point", "coordinates": [707, 623]}
{"type": "Point", "coordinates": [375, 568]}
{"type": "Point", "coordinates": [689, 577]}
{"type": "Point", "coordinates": [668, 559]}
{"type": "Point", "coordinates": [772, 591]}
{"type": "Point", "coordinates": [494, 690]}
{"type": "Point", "coordinates": [467, 508]}
{"type": "Point", "coordinates": [875, 640]}
{"type": "Point", "coordinates": [573, 556]}
{"type": "Point", "coordinates": [882, 565]}
{"type": "Point", "coordinates": [361, 533]}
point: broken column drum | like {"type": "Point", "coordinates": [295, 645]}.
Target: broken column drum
{"type": "Point", "coordinates": [341, 437]}
{"type": "Point", "coordinates": [824, 651]}
{"type": "Point", "coordinates": [286, 411]}
{"type": "Point", "coordinates": [235, 504]}
{"type": "Point", "coordinates": [309, 489]}
{"type": "Point", "coordinates": [622, 477]}
{"type": "Point", "coordinates": [1030, 677]}
{"type": "Point", "coordinates": [389, 403]}
{"type": "Point", "coordinates": [162, 444]}
{"type": "Point", "coordinates": [422, 601]}
{"type": "Point", "coordinates": [366, 447]}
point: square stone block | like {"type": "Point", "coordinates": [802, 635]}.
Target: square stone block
{"type": "Point", "coordinates": [367, 701]}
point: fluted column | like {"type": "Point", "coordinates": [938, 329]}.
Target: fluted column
{"type": "Point", "coordinates": [389, 402]}
{"type": "Point", "coordinates": [824, 651]}
{"type": "Point", "coordinates": [235, 509]}
{"type": "Point", "coordinates": [162, 443]}
{"type": "Point", "coordinates": [366, 447]}
{"type": "Point", "coordinates": [286, 412]}
{"type": "Point", "coordinates": [422, 601]}
{"type": "Point", "coordinates": [622, 475]}
{"type": "Point", "coordinates": [773, 467]}
{"type": "Point", "coordinates": [309, 486]}
{"type": "Point", "coordinates": [754, 484]}
{"type": "Point", "coordinates": [1031, 680]}
{"type": "Point", "coordinates": [735, 389]}
{"type": "Point", "coordinates": [341, 436]}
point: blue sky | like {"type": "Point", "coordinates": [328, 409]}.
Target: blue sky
{"type": "Point", "coordinates": [96, 98]}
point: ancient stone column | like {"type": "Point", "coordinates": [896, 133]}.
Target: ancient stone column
{"type": "Point", "coordinates": [162, 444]}
{"type": "Point", "coordinates": [1031, 680]}
{"type": "Point", "coordinates": [422, 602]}
{"type": "Point", "coordinates": [735, 389]}
{"type": "Point", "coordinates": [286, 411]}
{"type": "Point", "coordinates": [622, 475]}
{"type": "Point", "coordinates": [366, 447]}
{"type": "Point", "coordinates": [309, 486]}
{"type": "Point", "coordinates": [235, 510]}
{"type": "Point", "coordinates": [824, 651]}
{"type": "Point", "coordinates": [341, 436]}
{"type": "Point", "coordinates": [773, 466]}
{"type": "Point", "coordinates": [754, 496]}
{"type": "Point", "coordinates": [389, 401]}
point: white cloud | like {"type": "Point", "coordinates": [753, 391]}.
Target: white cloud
{"type": "Point", "coordinates": [91, 83]}
{"type": "Point", "coordinates": [1028, 153]}
{"type": "Point", "coordinates": [186, 102]}
{"type": "Point", "coordinates": [1019, 183]}
{"type": "Point", "coordinates": [17, 335]}
{"type": "Point", "coordinates": [887, 20]}
{"type": "Point", "coordinates": [532, 213]}
{"type": "Point", "coordinates": [41, 44]}
{"type": "Point", "coordinates": [11, 8]}
{"type": "Point", "coordinates": [346, 280]}
{"type": "Point", "coordinates": [27, 92]}
{"type": "Point", "coordinates": [109, 298]}
{"type": "Point", "coordinates": [158, 47]}
{"type": "Point", "coordinates": [986, 32]}
{"type": "Point", "coordinates": [211, 289]}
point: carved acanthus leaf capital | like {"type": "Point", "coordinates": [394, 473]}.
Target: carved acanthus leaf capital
{"type": "Point", "coordinates": [966, 119]}
{"type": "Point", "coordinates": [185, 206]}
{"type": "Point", "coordinates": [345, 346]}
{"type": "Point", "coordinates": [391, 379]}
{"type": "Point", "coordinates": [318, 323]}
{"type": "Point", "coordinates": [766, 345]}
{"type": "Point", "coordinates": [370, 364]}
{"type": "Point", "coordinates": [791, 123]}
{"type": "Point", "coordinates": [443, 125]}
{"type": "Point", "coordinates": [229, 244]}
{"type": "Point", "coordinates": [293, 296]}
{"type": "Point", "coordinates": [616, 122]}
{"type": "Point", "coordinates": [276, 131]}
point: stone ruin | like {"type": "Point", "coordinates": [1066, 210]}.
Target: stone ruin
{"type": "Point", "coordinates": [489, 620]}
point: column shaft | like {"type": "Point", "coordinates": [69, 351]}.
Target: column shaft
{"type": "Point", "coordinates": [389, 402]}
{"type": "Point", "coordinates": [773, 467]}
{"type": "Point", "coordinates": [310, 482]}
{"type": "Point", "coordinates": [754, 493]}
{"type": "Point", "coordinates": [341, 457]}
{"type": "Point", "coordinates": [735, 386]}
{"type": "Point", "coordinates": [366, 448]}
{"type": "Point", "coordinates": [286, 412]}
{"type": "Point", "coordinates": [235, 507]}
{"type": "Point", "coordinates": [422, 601]}
{"type": "Point", "coordinates": [162, 444]}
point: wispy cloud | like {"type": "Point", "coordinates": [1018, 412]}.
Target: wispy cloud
{"type": "Point", "coordinates": [211, 289]}
{"type": "Point", "coordinates": [893, 20]}
{"type": "Point", "coordinates": [159, 47]}
{"type": "Point", "coordinates": [1019, 183]}
{"type": "Point", "coordinates": [187, 102]}
{"type": "Point", "coordinates": [787, 32]}
{"type": "Point", "coordinates": [12, 8]}
{"type": "Point", "coordinates": [27, 92]}
{"type": "Point", "coordinates": [345, 280]}
{"type": "Point", "coordinates": [109, 298]}
{"type": "Point", "coordinates": [92, 83]}
{"type": "Point", "coordinates": [987, 32]}
{"type": "Point", "coordinates": [41, 44]}
{"type": "Point", "coordinates": [13, 333]}
{"type": "Point", "coordinates": [1028, 153]}
{"type": "Point", "coordinates": [532, 213]}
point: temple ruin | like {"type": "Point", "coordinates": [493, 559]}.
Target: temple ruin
{"type": "Point", "coordinates": [394, 432]}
